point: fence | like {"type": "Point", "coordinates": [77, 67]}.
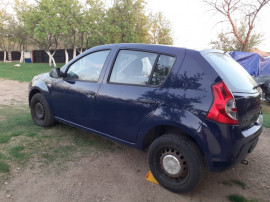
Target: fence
{"type": "Point", "coordinates": [40, 56]}
{"type": "Point", "coordinates": [14, 54]}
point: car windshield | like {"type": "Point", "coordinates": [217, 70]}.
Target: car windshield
{"type": "Point", "coordinates": [231, 72]}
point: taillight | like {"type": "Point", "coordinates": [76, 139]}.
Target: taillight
{"type": "Point", "coordinates": [223, 108]}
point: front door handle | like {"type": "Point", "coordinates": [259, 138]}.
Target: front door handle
{"type": "Point", "coordinates": [147, 101]}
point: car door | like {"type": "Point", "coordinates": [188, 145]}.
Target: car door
{"type": "Point", "coordinates": [74, 95]}
{"type": "Point", "coordinates": [132, 91]}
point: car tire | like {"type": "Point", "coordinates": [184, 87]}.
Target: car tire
{"type": "Point", "coordinates": [176, 162]}
{"type": "Point", "coordinates": [40, 111]}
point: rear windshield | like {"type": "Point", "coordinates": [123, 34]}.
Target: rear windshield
{"type": "Point", "coordinates": [231, 72]}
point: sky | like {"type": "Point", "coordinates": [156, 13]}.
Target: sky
{"type": "Point", "coordinates": [195, 26]}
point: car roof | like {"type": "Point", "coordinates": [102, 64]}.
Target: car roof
{"type": "Point", "coordinates": [149, 47]}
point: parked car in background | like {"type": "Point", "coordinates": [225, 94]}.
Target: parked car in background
{"type": "Point", "coordinates": [186, 108]}
{"type": "Point", "coordinates": [264, 82]}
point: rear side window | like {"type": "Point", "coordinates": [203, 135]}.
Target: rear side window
{"type": "Point", "coordinates": [233, 74]}
{"type": "Point", "coordinates": [141, 68]}
{"type": "Point", "coordinates": [164, 66]}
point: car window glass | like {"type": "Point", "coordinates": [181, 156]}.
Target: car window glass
{"type": "Point", "coordinates": [89, 67]}
{"type": "Point", "coordinates": [233, 74]}
{"type": "Point", "coordinates": [133, 67]}
{"type": "Point", "coordinates": [163, 67]}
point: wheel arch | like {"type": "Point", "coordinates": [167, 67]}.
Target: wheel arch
{"type": "Point", "coordinates": [32, 93]}
{"type": "Point", "coordinates": [160, 130]}
{"type": "Point", "coordinates": [157, 125]}
{"type": "Point", "coordinates": [37, 86]}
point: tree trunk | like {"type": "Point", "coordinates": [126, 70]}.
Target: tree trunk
{"type": "Point", "coordinates": [51, 59]}
{"type": "Point", "coordinates": [74, 51]}
{"type": "Point", "coordinates": [54, 64]}
{"type": "Point", "coordinates": [22, 56]}
{"type": "Point", "coordinates": [244, 47]}
{"type": "Point", "coordinates": [66, 56]}
{"type": "Point", "coordinates": [66, 53]}
{"type": "Point", "coordinates": [9, 56]}
{"type": "Point", "coordinates": [5, 56]}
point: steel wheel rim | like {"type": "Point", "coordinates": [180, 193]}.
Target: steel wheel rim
{"type": "Point", "coordinates": [39, 110]}
{"type": "Point", "coordinates": [173, 164]}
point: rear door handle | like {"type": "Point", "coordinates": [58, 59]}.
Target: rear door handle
{"type": "Point", "coordinates": [147, 101]}
{"type": "Point", "coordinates": [90, 94]}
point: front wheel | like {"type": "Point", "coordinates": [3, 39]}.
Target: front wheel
{"type": "Point", "coordinates": [40, 111]}
{"type": "Point", "coordinates": [176, 162]}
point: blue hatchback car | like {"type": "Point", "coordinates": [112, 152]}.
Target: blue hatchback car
{"type": "Point", "coordinates": [186, 108]}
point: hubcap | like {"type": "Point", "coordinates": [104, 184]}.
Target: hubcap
{"type": "Point", "coordinates": [39, 110]}
{"type": "Point", "coordinates": [173, 164]}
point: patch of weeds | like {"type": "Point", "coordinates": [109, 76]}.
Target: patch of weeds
{"type": "Point", "coordinates": [16, 152]}
{"type": "Point", "coordinates": [59, 152]}
{"type": "Point", "coordinates": [4, 167]}
{"type": "Point", "coordinates": [48, 157]}
{"type": "Point", "coordinates": [266, 120]}
{"type": "Point", "coordinates": [239, 198]}
{"type": "Point", "coordinates": [239, 183]}
{"type": "Point", "coordinates": [15, 133]}
{"type": "Point", "coordinates": [31, 134]}
{"type": "Point", "coordinates": [4, 139]}
{"type": "Point", "coordinates": [266, 115]}
{"type": "Point", "coordinates": [234, 182]}
{"type": "Point", "coordinates": [2, 156]}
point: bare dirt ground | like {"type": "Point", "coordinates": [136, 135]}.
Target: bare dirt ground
{"type": "Point", "coordinates": [120, 175]}
{"type": "Point", "coordinates": [13, 93]}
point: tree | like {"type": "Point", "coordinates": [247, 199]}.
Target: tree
{"type": "Point", "coordinates": [70, 11]}
{"type": "Point", "coordinates": [228, 42]}
{"type": "Point", "coordinates": [95, 23]}
{"type": "Point", "coordinates": [160, 30]}
{"type": "Point", "coordinates": [246, 12]}
{"type": "Point", "coordinates": [127, 22]}
{"type": "Point", "coordinates": [7, 34]}
{"type": "Point", "coordinates": [42, 25]}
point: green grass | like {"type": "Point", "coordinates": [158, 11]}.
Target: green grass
{"type": "Point", "coordinates": [16, 152]}
{"type": "Point", "coordinates": [239, 198]}
{"type": "Point", "coordinates": [21, 140]}
{"type": "Point", "coordinates": [4, 167]}
{"type": "Point", "coordinates": [25, 72]}
{"type": "Point", "coordinates": [234, 182]}
{"type": "Point", "coordinates": [266, 115]}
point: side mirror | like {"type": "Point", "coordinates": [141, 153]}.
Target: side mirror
{"type": "Point", "coordinates": [55, 73]}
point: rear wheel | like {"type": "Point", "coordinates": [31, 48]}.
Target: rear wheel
{"type": "Point", "coordinates": [40, 111]}
{"type": "Point", "coordinates": [176, 162]}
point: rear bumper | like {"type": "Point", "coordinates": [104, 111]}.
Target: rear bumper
{"type": "Point", "coordinates": [230, 145]}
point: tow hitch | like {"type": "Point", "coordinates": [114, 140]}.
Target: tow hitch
{"type": "Point", "coordinates": [244, 161]}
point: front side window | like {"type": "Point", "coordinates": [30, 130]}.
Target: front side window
{"type": "Point", "coordinates": [138, 67]}
{"type": "Point", "coordinates": [89, 67]}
